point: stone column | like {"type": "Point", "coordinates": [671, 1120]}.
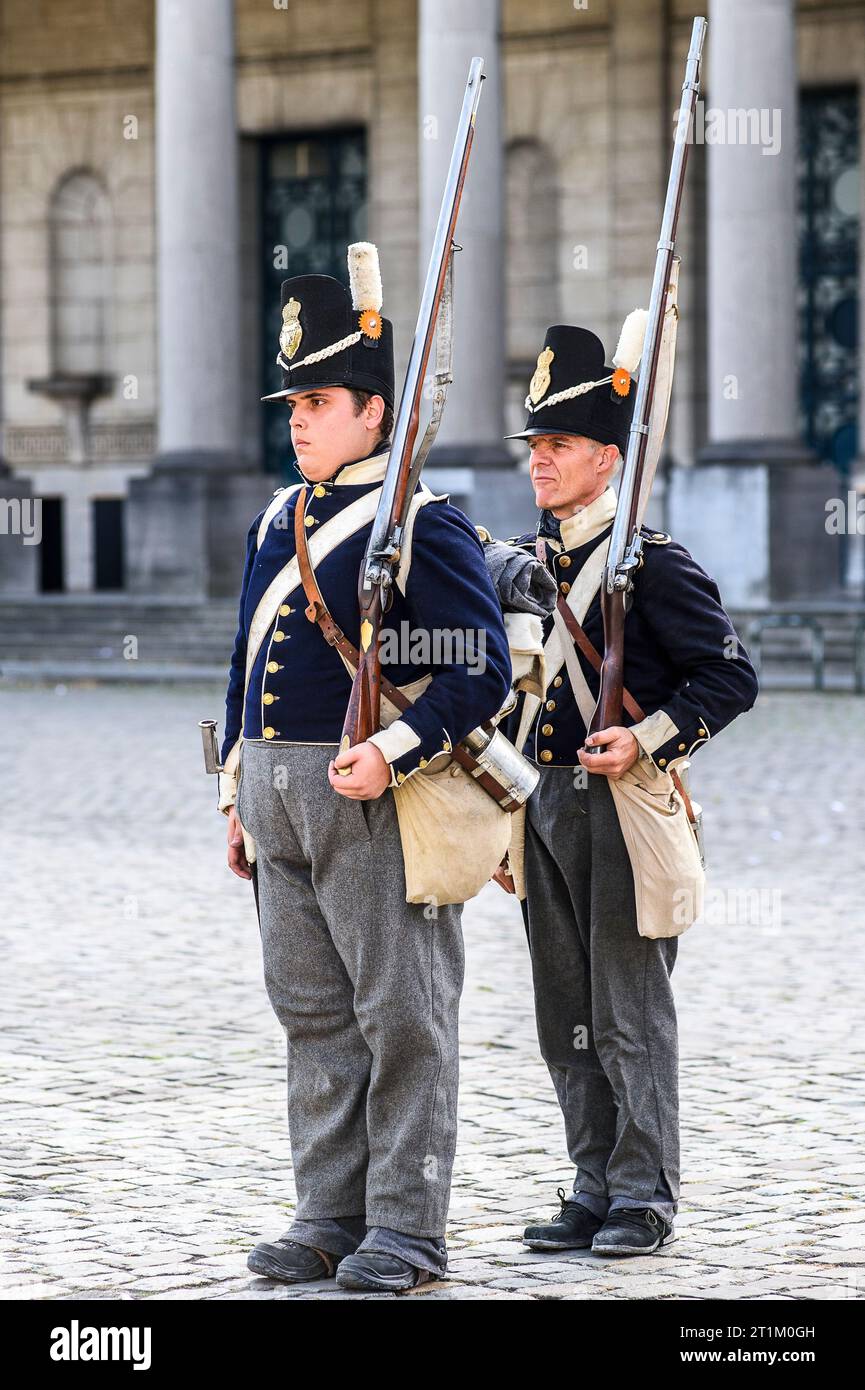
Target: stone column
{"type": "Point", "coordinates": [19, 563]}
{"type": "Point", "coordinates": [641, 144]}
{"type": "Point", "coordinates": [183, 537]}
{"type": "Point", "coordinates": [197, 227]}
{"type": "Point", "coordinates": [450, 34]}
{"type": "Point", "coordinates": [751, 222]}
{"type": "Point", "coordinates": [754, 508]}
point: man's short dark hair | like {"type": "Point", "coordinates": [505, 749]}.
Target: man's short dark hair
{"type": "Point", "coordinates": [360, 399]}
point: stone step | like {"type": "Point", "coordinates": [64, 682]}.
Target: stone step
{"type": "Point", "coordinates": [83, 636]}
{"type": "Point", "coordinates": [58, 672]}
{"type": "Point", "coordinates": [111, 634]}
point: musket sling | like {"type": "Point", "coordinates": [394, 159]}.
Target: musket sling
{"type": "Point", "coordinates": [659, 823]}
{"type": "Point", "coordinates": [590, 652]}
{"type": "Point", "coordinates": [439, 813]}
{"type": "Point", "coordinates": [318, 612]}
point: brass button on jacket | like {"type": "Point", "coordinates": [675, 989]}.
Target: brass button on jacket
{"type": "Point", "coordinates": [672, 582]}
{"type": "Point", "coordinates": [546, 756]}
{"type": "Point", "coordinates": [294, 664]}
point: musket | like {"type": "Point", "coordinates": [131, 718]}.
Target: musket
{"type": "Point", "coordinates": [404, 468]}
{"type": "Point", "coordinates": [624, 556]}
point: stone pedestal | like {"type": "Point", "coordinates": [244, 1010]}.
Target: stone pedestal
{"type": "Point", "coordinates": [854, 568]}
{"type": "Point", "coordinates": [19, 561]}
{"type": "Point", "coordinates": [187, 525]}
{"type": "Point", "coordinates": [501, 499]}
{"type": "Point", "coordinates": [757, 522]}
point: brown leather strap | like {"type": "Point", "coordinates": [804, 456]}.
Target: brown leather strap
{"type": "Point", "coordinates": [590, 652]}
{"type": "Point", "coordinates": [317, 611]}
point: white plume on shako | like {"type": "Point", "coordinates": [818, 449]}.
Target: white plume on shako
{"type": "Point", "coordinates": [631, 340]}
{"type": "Point", "coordinates": [364, 276]}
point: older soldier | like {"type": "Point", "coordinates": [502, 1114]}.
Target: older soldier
{"type": "Point", "coordinates": [604, 1004]}
{"type": "Point", "coordinates": [366, 986]}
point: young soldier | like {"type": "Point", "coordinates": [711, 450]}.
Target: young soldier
{"type": "Point", "coordinates": [605, 1012]}
{"type": "Point", "coordinates": [366, 987]}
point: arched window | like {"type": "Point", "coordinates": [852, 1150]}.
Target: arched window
{"type": "Point", "coordinates": [80, 274]}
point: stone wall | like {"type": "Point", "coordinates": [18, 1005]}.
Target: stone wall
{"type": "Point", "coordinates": [589, 99]}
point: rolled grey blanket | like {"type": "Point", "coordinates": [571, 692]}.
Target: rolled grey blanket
{"type": "Point", "coordinates": [522, 583]}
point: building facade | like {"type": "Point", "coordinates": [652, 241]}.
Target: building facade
{"type": "Point", "coordinates": [165, 163]}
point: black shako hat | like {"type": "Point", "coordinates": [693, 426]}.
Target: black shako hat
{"type": "Point", "coordinates": [335, 336]}
{"type": "Point", "coordinates": [573, 391]}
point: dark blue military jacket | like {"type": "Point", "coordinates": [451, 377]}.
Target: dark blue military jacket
{"type": "Point", "coordinates": [684, 664]}
{"type": "Point", "coordinates": [299, 687]}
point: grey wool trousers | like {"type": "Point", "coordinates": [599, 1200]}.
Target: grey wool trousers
{"type": "Point", "coordinates": [604, 1003]}
{"type": "Point", "coordinates": [367, 988]}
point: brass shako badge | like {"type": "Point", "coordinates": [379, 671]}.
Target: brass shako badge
{"type": "Point", "coordinates": [540, 382]}
{"type": "Point", "coordinates": [291, 332]}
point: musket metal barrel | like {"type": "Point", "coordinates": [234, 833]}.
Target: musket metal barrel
{"type": "Point", "coordinates": [615, 574]}
{"type": "Point", "coordinates": [441, 251]}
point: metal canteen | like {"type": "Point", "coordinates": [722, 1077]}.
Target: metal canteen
{"type": "Point", "coordinates": [498, 756]}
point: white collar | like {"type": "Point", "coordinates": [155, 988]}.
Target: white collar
{"type": "Point", "coordinates": [588, 522]}
{"type": "Point", "coordinates": [370, 470]}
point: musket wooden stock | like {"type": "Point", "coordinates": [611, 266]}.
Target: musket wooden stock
{"type": "Point", "coordinates": [364, 705]}
{"type": "Point", "coordinates": [609, 707]}
{"type": "Point", "coordinates": [363, 715]}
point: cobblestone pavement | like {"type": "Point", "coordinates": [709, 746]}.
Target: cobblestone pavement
{"type": "Point", "coordinates": [145, 1143]}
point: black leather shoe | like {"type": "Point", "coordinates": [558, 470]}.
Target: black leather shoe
{"type": "Point", "coordinates": [632, 1231]}
{"type": "Point", "coordinates": [572, 1229]}
{"type": "Point", "coordinates": [373, 1269]}
{"type": "Point", "coordinates": [285, 1259]}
